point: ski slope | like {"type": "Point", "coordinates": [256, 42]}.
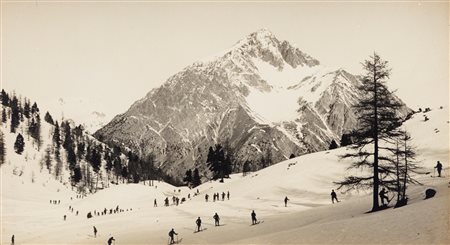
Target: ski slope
{"type": "Point", "coordinates": [309, 217]}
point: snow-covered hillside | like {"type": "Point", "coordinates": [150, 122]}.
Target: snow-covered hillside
{"type": "Point", "coordinates": [309, 217]}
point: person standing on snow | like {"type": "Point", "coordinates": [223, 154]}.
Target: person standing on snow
{"type": "Point", "coordinates": [439, 168]}
{"type": "Point", "coordinates": [333, 196]}
{"type": "Point", "coordinates": [171, 234]}
{"type": "Point", "coordinates": [254, 221]}
{"type": "Point", "coordinates": [286, 199]}
{"type": "Point", "coordinates": [95, 232]}
{"type": "Point", "coordinates": [199, 224]}
{"type": "Point", "coordinates": [383, 196]}
{"type": "Point", "coordinates": [216, 219]}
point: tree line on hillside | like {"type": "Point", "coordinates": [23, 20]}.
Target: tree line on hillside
{"type": "Point", "coordinates": [73, 150]}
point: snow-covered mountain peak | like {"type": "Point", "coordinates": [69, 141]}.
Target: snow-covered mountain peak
{"type": "Point", "coordinates": [261, 95]}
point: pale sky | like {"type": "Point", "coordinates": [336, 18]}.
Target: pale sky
{"type": "Point", "coordinates": [112, 54]}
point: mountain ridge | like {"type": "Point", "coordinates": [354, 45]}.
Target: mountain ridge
{"type": "Point", "coordinates": [296, 104]}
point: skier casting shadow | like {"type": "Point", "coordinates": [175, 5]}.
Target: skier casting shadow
{"type": "Point", "coordinates": [439, 168]}
{"type": "Point", "coordinates": [199, 224]}
{"type": "Point", "coordinates": [333, 196]}
{"type": "Point", "coordinates": [216, 219]}
{"type": "Point", "coordinates": [254, 221]}
{"type": "Point", "coordinates": [171, 234]}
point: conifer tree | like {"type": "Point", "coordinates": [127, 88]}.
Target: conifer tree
{"type": "Point", "coordinates": [48, 162]}
{"type": "Point", "coordinates": [196, 180]}
{"type": "Point", "coordinates": [15, 114]}
{"type": "Point", "coordinates": [5, 98]}
{"type": "Point", "coordinates": [71, 157]}
{"type": "Point", "coordinates": [26, 109]}
{"type": "Point", "coordinates": [19, 145]}
{"type": "Point", "coordinates": [57, 136]}
{"type": "Point", "coordinates": [218, 162]}
{"type": "Point", "coordinates": [346, 140]}
{"type": "Point", "coordinates": [77, 176]}
{"type": "Point", "coordinates": [377, 121]}
{"type": "Point", "coordinates": [48, 118]}
{"type": "Point", "coordinates": [333, 145]}
{"type": "Point", "coordinates": [4, 117]}
{"type": "Point", "coordinates": [2, 148]}
{"type": "Point", "coordinates": [188, 177]}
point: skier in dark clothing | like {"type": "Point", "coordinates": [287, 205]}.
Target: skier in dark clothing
{"type": "Point", "coordinates": [383, 196]}
{"type": "Point", "coordinates": [439, 168]}
{"type": "Point", "coordinates": [286, 199]}
{"type": "Point", "coordinates": [254, 221]}
{"type": "Point", "coordinates": [12, 240]}
{"type": "Point", "coordinates": [206, 197]}
{"type": "Point", "coordinates": [216, 219]}
{"type": "Point", "coordinates": [199, 223]}
{"type": "Point", "coordinates": [95, 232]}
{"type": "Point", "coordinates": [228, 195]}
{"type": "Point", "coordinates": [155, 204]}
{"type": "Point", "coordinates": [110, 240]}
{"type": "Point", "coordinates": [166, 202]}
{"type": "Point", "coordinates": [64, 217]}
{"type": "Point", "coordinates": [333, 196]}
{"type": "Point", "coordinates": [171, 234]}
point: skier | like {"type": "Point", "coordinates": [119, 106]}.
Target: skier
{"type": "Point", "coordinates": [110, 240]}
{"type": "Point", "coordinates": [155, 204]}
{"type": "Point", "coordinates": [95, 232]}
{"type": "Point", "coordinates": [228, 195]}
{"type": "Point", "coordinates": [223, 196]}
{"type": "Point", "coordinates": [254, 221]}
{"type": "Point", "coordinates": [206, 197]}
{"type": "Point", "coordinates": [171, 233]}
{"type": "Point", "coordinates": [286, 199]}
{"type": "Point", "coordinates": [333, 196]}
{"type": "Point", "coordinates": [64, 217]}
{"type": "Point", "coordinates": [216, 219]}
{"type": "Point", "coordinates": [199, 224]}
{"type": "Point", "coordinates": [439, 168]}
{"type": "Point", "coordinates": [166, 202]}
{"type": "Point", "coordinates": [383, 196]}
{"type": "Point", "coordinates": [12, 240]}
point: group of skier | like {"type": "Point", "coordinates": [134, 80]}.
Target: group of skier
{"type": "Point", "coordinates": [216, 196]}
{"type": "Point", "coordinates": [55, 202]}
{"type": "Point", "coordinates": [199, 228]}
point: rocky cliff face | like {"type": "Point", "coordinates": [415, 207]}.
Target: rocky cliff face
{"type": "Point", "coordinates": [262, 97]}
